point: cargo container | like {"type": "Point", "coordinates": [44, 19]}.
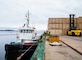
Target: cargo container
{"type": "Point", "coordinates": [60, 26]}
{"type": "Point", "coordinates": [79, 20]}
{"type": "Point", "coordinates": [64, 31]}
{"type": "Point", "coordinates": [58, 20]}
{"type": "Point", "coordinates": [65, 26]}
{"type": "Point", "coordinates": [56, 32]}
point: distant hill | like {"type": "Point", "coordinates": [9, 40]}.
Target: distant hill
{"type": "Point", "coordinates": [7, 29]}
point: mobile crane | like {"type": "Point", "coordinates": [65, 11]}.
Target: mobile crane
{"type": "Point", "coordinates": [72, 28]}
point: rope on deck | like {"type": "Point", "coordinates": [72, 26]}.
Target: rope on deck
{"type": "Point", "coordinates": [18, 58]}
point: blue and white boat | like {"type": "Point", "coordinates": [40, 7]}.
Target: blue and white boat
{"type": "Point", "coordinates": [27, 41]}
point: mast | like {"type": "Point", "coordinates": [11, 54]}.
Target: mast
{"type": "Point", "coordinates": [27, 18]}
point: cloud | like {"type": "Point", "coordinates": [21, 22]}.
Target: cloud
{"type": "Point", "coordinates": [12, 12]}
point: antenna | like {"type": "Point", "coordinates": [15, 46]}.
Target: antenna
{"type": "Point", "coordinates": [27, 18]}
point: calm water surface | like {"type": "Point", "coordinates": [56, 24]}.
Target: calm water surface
{"type": "Point", "coordinates": [5, 38]}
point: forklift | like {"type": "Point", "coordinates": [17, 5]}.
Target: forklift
{"type": "Point", "coordinates": [72, 28]}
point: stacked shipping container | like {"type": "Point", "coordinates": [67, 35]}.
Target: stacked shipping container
{"type": "Point", "coordinates": [55, 26]}
{"type": "Point", "coordinates": [79, 23]}
{"type": "Point", "coordinates": [60, 26]}
{"type": "Point", "coordinates": [65, 25]}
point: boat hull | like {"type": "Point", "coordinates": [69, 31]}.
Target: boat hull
{"type": "Point", "coordinates": [15, 50]}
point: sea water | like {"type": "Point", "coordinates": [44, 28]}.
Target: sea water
{"type": "Point", "coordinates": [5, 38]}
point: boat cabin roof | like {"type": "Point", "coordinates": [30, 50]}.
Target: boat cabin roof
{"type": "Point", "coordinates": [26, 30]}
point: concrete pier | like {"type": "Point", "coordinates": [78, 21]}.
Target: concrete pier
{"type": "Point", "coordinates": [63, 52]}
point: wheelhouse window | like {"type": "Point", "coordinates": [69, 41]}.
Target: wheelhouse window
{"type": "Point", "coordinates": [22, 31]}
{"type": "Point", "coordinates": [30, 31]}
{"type": "Point", "coordinates": [26, 31]}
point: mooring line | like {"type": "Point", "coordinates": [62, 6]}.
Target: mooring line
{"type": "Point", "coordinates": [18, 58]}
{"type": "Point", "coordinates": [72, 48]}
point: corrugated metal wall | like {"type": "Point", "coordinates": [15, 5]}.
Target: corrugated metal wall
{"type": "Point", "coordinates": [60, 26]}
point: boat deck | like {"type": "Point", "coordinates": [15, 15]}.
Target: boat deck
{"type": "Point", "coordinates": [63, 52]}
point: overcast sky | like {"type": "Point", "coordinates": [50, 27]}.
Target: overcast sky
{"type": "Point", "coordinates": [12, 12]}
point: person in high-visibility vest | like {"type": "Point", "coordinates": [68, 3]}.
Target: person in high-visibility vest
{"type": "Point", "coordinates": [47, 33]}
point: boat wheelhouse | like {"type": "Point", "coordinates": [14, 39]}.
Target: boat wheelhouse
{"type": "Point", "coordinates": [27, 34]}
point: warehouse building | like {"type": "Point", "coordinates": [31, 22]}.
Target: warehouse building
{"type": "Point", "coordinates": [60, 26]}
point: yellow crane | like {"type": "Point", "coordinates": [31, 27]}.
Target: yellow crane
{"type": "Point", "coordinates": [72, 28]}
